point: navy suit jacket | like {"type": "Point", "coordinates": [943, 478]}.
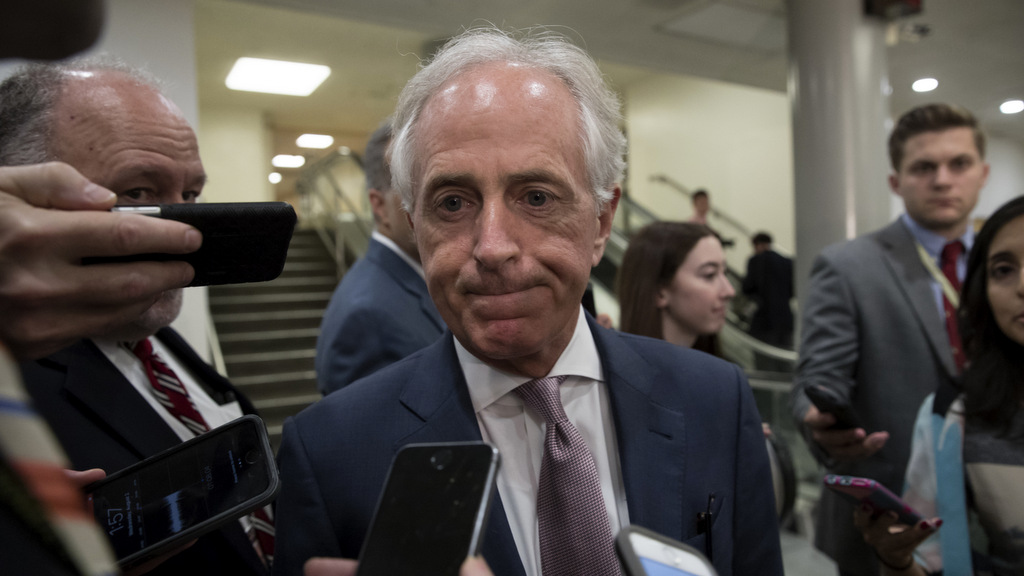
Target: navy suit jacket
{"type": "Point", "coordinates": [685, 423]}
{"type": "Point", "coordinates": [102, 422]}
{"type": "Point", "coordinates": [380, 313]}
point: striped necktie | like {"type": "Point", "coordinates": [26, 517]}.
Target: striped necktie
{"type": "Point", "coordinates": [172, 395]}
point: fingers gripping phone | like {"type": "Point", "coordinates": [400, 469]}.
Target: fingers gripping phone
{"type": "Point", "coordinates": [827, 400]}
{"type": "Point", "coordinates": [242, 241]}
{"type": "Point", "coordinates": [171, 498]}
{"type": "Point", "coordinates": [647, 553]}
{"type": "Point", "coordinates": [874, 494]}
{"type": "Point", "coordinates": [433, 510]}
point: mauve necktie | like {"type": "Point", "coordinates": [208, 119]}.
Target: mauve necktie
{"type": "Point", "coordinates": [575, 534]}
{"type": "Point", "coordinates": [173, 396]}
{"type": "Point", "coordinates": [950, 253]}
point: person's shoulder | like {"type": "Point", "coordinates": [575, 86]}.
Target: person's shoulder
{"type": "Point", "coordinates": [864, 247]}
{"type": "Point", "coordinates": [675, 359]}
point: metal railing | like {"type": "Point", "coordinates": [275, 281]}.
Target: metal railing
{"type": "Point", "coordinates": [333, 202]}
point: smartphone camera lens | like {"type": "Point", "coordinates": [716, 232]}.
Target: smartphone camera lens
{"type": "Point", "coordinates": [440, 459]}
{"type": "Point", "coordinates": [252, 456]}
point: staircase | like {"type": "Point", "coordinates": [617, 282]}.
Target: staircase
{"type": "Point", "coordinates": [268, 331]}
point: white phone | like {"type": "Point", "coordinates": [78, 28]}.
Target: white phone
{"type": "Point", "coordinates": [647, 553]}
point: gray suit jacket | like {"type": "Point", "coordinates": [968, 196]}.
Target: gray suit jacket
{"type": "Point", "coordinates": [871, 332]}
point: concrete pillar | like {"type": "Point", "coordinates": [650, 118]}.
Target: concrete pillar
{"type": "Point", "coordinates": [838, 91]}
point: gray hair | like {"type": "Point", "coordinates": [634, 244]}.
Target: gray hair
{"type": "Point", "coordinates": [29, 96]}
{"type": "Point", "coordinates": [375, 160]}
{"type": "Point", "coordinates": [599, 112]}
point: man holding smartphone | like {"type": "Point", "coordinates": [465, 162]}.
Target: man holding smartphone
{"type": "Point", "coordinates": [508, 154]}
{"type": "Point", "coordinates": [133, 388]}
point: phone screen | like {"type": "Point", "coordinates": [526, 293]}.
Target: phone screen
{"type": "Point", "coordinates": [433, 510]}
{"type": "Point", "coordinates": [178, 489]}
{"type": "Point", "coordinates": [655, 568]}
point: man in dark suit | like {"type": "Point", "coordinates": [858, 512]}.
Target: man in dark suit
{"type": "Point", "coordinates": [381, 312]}
{"type": "Point", "coordinates": [769, 281]}
{"type": "Point", "coordinates": [508, 154]}
{"type": "Point", "coordinates": [878, 321]}
{"type": "Point", "coordinates": [114, 127]}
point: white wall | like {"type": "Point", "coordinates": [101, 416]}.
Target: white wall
{"type": "Point", "coordinates": [234, 144]}
{"type": "Point", "coordinates": [1006, 177]}
{"type": "Point", "coordinates": [732, 140]}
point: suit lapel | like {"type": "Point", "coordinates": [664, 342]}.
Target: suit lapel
{"type": "Point", "coordinates": [914, 282]}
{"type": "Point", "coordinates": [95, 383]}
{"type": "Point", "coordinates": [447, 414]}
{"type": "Point", "coordinates": [651, 437]}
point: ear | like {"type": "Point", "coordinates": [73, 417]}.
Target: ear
{"type": "Point", "coordinates": [604, 225]}
{"type": "Point", "coordinates": [661, 297]}
{"type": "Point", "coordinates": [894, 183]}
{"type": "Point", "coordinates": [378, 204]}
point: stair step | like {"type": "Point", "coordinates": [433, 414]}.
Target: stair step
{"type": "Point", "coordinates": [270, 298]}
{"type": "Point", "coordinates": [297, 402]}
{"type": "Point", "coordinates": [309, 266]}
{"type": "Point", "coordinates": [233, 317]}
{"type": "Point", "coordinates": [269, 356]}
{"type": "Point", "coordinates": [263, 379]}
{"type": "Point", "coordinates": [269, 335]}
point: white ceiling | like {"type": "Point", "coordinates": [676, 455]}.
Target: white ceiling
{"type": "Point", "coordinates": [975, 49]}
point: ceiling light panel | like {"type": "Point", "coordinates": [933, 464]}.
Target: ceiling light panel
{"type": "Point", "coordinates": [317, 141]}
{"type": "Point", "coordinates": [925, 85]}
{"type": "Point", "coordinates": [276, 76]}
{"type": "Point", "coordinates": [1012, 107]}
{"type": "Point", "coordinates": [287, 161]}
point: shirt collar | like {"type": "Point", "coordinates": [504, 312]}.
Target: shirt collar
{"type": "Point", "coordinates": [401, 253]}
{"type": "Point", "coordinates": [487, 384]}
{"type": "Point", "coordinates": [933, 242]}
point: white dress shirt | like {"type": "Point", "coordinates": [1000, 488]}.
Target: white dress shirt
{"type": "Point", "coordinates": [519, 434]}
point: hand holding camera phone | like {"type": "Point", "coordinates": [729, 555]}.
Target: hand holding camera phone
{"type": "Point", "coordinates": [242, 241]}
{"type": "Point", "coordinates": [647, 553]}
{"type": "Point", "coordinates": [827, 400]}
{"type": "Point", "coordinates": [166, 500]}
{"type": "Point", "coordinates": [874, 494]}
{"type": "Point", "coordinates": [433, 510]}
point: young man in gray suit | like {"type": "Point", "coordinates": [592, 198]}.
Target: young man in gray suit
{"type": "Point", "coordinates": [877, 324]}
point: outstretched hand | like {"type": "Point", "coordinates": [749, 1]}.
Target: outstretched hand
{"type": "Point", "coordinates": [850, 444]}
{"type": "Point", "coordinates": [50, 218]}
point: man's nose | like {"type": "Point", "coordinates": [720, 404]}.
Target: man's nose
{"type": "Point", "coordinates": [497, 240]}
{"type": "Point", "coordinates": [943, 175]}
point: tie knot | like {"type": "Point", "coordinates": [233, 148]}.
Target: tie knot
{"type": "Point", "coordinates": [952, 251]}
{"type": "Point", "coordinates": [143, 349]}
{"type": "Point", "coordinates": [542, 396]}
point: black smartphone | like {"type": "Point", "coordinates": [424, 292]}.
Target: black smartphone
{"type": "Point", "coordinates": [644, 552]}
{"type": "Point", "coordinates": [874, 494]}
{"type": "Point", "coordinates": [827, 400]}
{"type": "Point", "coordinates": [433, 510]}
{"type": "Point", "coordinates": [168, 499]}
{"type": "Point", "coordinates": [242, 241]}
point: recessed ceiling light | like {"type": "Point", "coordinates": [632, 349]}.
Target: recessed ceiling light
{"type": "Point", "coordinates": [925, 85]}
{"type": "Point", "coordinates": [318, 141]}
{"type": "Point", "coordinates": [276, 76]}
{"type": "Point", "coordinates": [288, 161]}
{"type": "Point", "coordinates": [1012, 106]}
{"type": "Point", "coordinates": [275, 177]}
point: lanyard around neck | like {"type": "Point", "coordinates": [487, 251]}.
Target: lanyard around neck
{"type": "Point", "coordinates": [947, 288]}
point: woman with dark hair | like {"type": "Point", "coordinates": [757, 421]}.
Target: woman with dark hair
{"type": "Point", "coordinates": [672, 285]}
{"type": "Point", "coordinates": [966, 467]}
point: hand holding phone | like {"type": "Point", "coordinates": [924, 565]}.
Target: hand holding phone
{"type": "Point", "coordinates": [163, 502]}
{"type": "Point", "coordinates": [647, 553]}
{"type": "Point", "coordinates": [242, 241]}
{"type": "Point", "coordinates": [874, 494]}
{"type": "Point", "coordinates": [827, 400]}
{"type": "Point", "coordinates": [432, 511]}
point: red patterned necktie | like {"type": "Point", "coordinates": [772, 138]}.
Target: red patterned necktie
{"type": "Point", "coordinates": [950, 253]}
{"type": "Point", "coordinates": [575, 533]}
{"type": "Point", "coordinates": [172, 395]}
